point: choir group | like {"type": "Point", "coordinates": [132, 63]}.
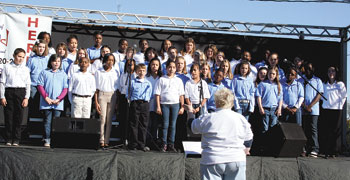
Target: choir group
{"type": "Point", "coordinates": [147, 90]}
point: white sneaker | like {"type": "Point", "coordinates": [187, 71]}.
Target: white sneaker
{"type": "Point", "coordinates": [46, 145]}
{"type": "Point", "coordinates": [8, 144]}
{"type": "Point", "coordinates": [314, 154]}
{"type": "Point", "coordinates": [15, 144]}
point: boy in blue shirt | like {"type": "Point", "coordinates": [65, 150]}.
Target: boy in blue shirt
{"type": "Point", "coordinates": [139, 95]}
{"type": "Point", "coordinates": [213, 87]}
{"type": "Point", "coordinates": [293, 97]}
{"type": "Point", "coordinates": [311, 110]}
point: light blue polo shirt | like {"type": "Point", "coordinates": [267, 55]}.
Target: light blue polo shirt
{"type": "Point", "coordinates": [291, 93]}
{"type": "Point", "coordinates": [140, 89]}
{"type": "Point", "coordinates": [36, 64]}
{"type": "Point", "coordinates": [66, 64]}
{"type": "Point", "coordinates": [212, 89]}
{"type": "Point", "coordinates": [310, 94]}
{"type": "Point", "coordinates": [93, 52]}
{"type": "Point", "coordinates": [227, 82]}
{"type": "Point", "coordinates": [53, 83]}
{"type": "Point", "coordinates": [243, 89]}
{"type": "Point", "coordinates": [184, 77]}
{"type": "Point", "coordinates": [269, 94]}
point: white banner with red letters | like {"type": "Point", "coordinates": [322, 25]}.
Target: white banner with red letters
{"type": "Point", "coordinates": [20, 31]}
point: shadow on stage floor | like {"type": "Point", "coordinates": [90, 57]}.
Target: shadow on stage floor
{"type": "Point", "coordinates": [34, 162]}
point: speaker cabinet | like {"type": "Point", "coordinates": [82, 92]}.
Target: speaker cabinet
{"type": "Point", "coordinates": [286, 140]}
{"type": "Point", "coordinates": [75, 133]}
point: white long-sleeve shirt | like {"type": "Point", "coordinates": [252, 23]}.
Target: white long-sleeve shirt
{"type": "Point", "coordinates": [335, 94]}
{"type": "Point", "coordinates": [223, 134]}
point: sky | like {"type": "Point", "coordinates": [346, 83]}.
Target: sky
{"type": "Point", "coordinates": [302, 13]}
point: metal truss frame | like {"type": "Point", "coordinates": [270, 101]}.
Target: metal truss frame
{"type": "Point", "coordinates": [175, 23]}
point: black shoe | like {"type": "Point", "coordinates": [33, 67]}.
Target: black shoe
{"type": "Point", "coordinates": [132, 148]}
{"type": "Point", "coordinates": [171, 148]}
{"type": "Point", "coordinates": [163, 148]}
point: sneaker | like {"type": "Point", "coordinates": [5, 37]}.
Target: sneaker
{"type": "Point", "coordinates": [8, 144]}
{"type": "Point", "coordinates": [163, 147]}
{"type": "Point", "coordinates": [15, 144]}
{"type": "Point", "coordinates": [145, 149]}
{"type": "Point", "coordinates": [314, 154]}
{"type": "Point", "coordinates": [46, 145]}
{"type": "Point", "coordinates": [171, 148]}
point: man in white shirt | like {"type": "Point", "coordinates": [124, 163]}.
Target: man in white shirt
{"type": "Point", "coordinates": [223, 134]}
{"type": "Point", "coordinates": [140, 56]}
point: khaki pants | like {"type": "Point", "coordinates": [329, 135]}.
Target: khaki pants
{"type": "Point", "coordinates": [107, 102]}
{"type": "Point", "coordinates": [81, 107]}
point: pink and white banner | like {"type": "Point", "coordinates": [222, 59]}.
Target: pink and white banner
{"type": "Point", "coordinates": [20, 31]}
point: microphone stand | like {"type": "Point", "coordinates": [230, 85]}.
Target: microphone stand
{"type": "Point", "coordinates": [127, 82]}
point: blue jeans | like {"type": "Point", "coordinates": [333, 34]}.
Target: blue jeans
{"type": "Point", "coordinates": [244, 110]}
{"type": "Point", "coordinates": [169, 114]}
{"type": "Point", "coordinates": [224, 171]}
{"type": "Point", "coordinates": [311, 130]}
{"type": "Point", "coordinates": [48, 115]}
{"type": "Point", "coordinates": [292, 118]}
{"type": "Point", "coordinates": [269, 118]}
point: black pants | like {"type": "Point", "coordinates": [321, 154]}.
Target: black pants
{"type": "Point", "coordinates": [123, 109]}
{"type": "Point", "coordinates": [331, 130]}
{"type": "Point", "coordinates": [139, 112]}
{"type": "Point", "coordinates": [14, 113]}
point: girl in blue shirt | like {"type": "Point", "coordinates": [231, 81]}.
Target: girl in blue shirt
{"type": "Point", "coordinates": [36, 64]}
{"type": "Point", "coordinates": [62, 51]}
{"type": "Point", "coordinates": [243, 89]}
{"type": "Point", "coordinates": [53, 87]}
{"type": "Point", "coordinates": [269, 97]}
{"type": "Point", "coordinates": [228, 76]}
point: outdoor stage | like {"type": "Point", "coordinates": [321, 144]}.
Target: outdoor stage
{"type": "Point", "coordinates": [33, 162]}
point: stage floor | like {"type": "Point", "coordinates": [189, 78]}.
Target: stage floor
{"type": "Point", "coordinates": [37, 162]}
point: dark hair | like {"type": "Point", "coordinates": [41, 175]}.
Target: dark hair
{"type": "Point", "coordinates": [121, 41]}
{"type": "Point", "coordinates": [97, 33]}
{"type": "Point", "coordinates": [152, 50]}
{"type": "Point", "coordinates": [289, 70]}
{"type": "Point", "coordinates": [238, 67]}
{"type": "Point", "coordinates": [149, 71]}
{"type": "Point", "coordinates": [168, 63]}
{"type": "Point", "coordinates": [41, 36]}
{"type": "Point", "coordinates": [141, 40]}
{"type": "Point", "coordinates": [193, 66]}
{"type": "Point", "coordinates": [53, 58]}
{"type": "Point", "coordinates": [219, 70]}
{"type": "Point", "coordinates": [257, 80]}
{"type": "Point", "coordinates": [104, 46]}
{"type": "Point", "coordinates": [72, 36]}
{"type": "Point", "coordinates": [81, 59]}
{"type": "Point", "coordinates": [127, 62]}
{"type": "Point", "coordinates": [18, 50]}
{"type": "Point", "coordinates": [162, 50]}
{"type": "Point", "coordinates": [106, 58]}
{"type": "Point", "coordinates": [337, 74]}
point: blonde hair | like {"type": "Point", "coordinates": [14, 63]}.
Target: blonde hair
{"type": "Point", "coordinates": [224, 98]}
{"type": "Point", "coordinates": [276, 80]}
{"type": "Point", "coordinates": [77, 55]}
{"type": "Point", "coordinates": [184, 70]}
{"type": "Point", "coordinates": [229, 72]}
{"type": "Point", "coordinates": [205, 64]}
